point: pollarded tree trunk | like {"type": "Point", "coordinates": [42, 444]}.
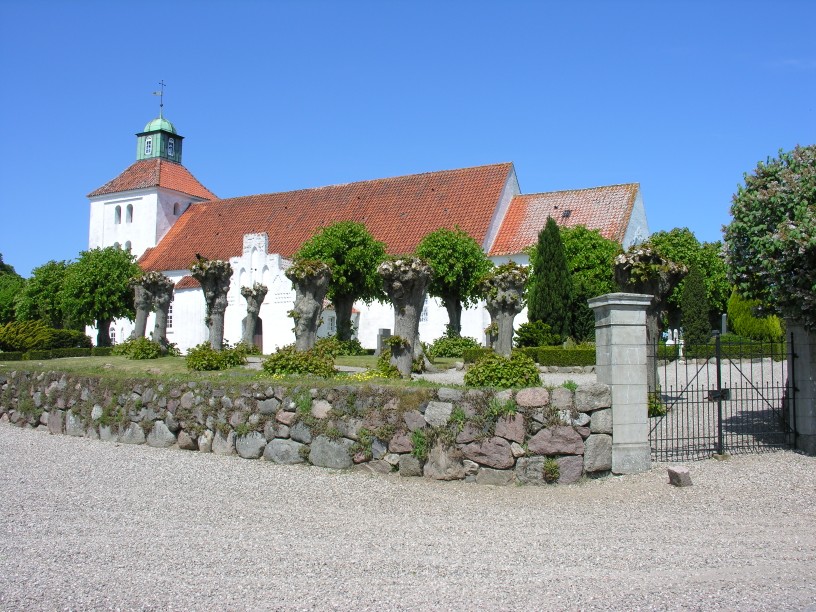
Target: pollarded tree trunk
{"type": "Point", "coordinates": [343, 307]}
{"type": "Point", "coordinates": [214, 277]}
{"type": "Point", "coordinates": [503, 290]}
{"type": "Point", "coordinates": [311, 280]}
{"type": "Point", "coordinates": [643, 271]}
{"type": "Point", "coordinates": [103, 332]}
{"type": "Point", "coordinates": [254, 297]}
{"type": "Point", "coordinates": [162, 289]}
{"type": "Point", "coordinates": [143, 302]}
{"type": "Point", "coordinates": [454, 308]}
{"type": "Point", "coordinates": [405, 281]}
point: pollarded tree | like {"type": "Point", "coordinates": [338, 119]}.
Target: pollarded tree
{"type": "Point", "coordinates": [353, 255]}
{"type": "Point", "coordinates": [591, 262]}
{"type": "Point", "coordinates": [771, 240]}
{"type": "Point", "coordinates": [549, 291]}
{"type": "Point", "coordinates": [503, 292]}
{"type": "Point", "coordinates": [214, 276]}
{"type": "Point", "coordinates": [254, 297]}
{"type": "Point", "coordinates": [458, 262]}
{"type": "Point", "coordinates": [161, 289]}
{"type": "Point", "coordinates": [311, 281]}
{"type": "Point", "coordinates": [694, 309]}
{"type": "Point", "coordinates": [40, 298]}
{"type": "Point", "coordinates": [96, 289]}
{"type": "Point", "coordinates": [405, 281]}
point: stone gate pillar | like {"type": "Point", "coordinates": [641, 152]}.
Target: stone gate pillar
{"type": "Point", "coordinates": [621, 362]}
{"type": "Point", "coordinates": [803, 370]}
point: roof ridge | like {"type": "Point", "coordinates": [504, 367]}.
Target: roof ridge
{"type": "Point", "coordinates": [578, 189]}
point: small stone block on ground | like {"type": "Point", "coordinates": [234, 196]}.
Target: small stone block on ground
{"type": "Point", "coordinates": [679, 476]}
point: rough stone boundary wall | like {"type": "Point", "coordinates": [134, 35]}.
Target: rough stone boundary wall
{"type": "Point", "coordinates": [446, 434]}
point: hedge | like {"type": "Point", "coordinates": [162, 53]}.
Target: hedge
{"type": "Point", "coordinates": [97, 351]}
{"type": "Point", "coordinates": [731, 347]}
{"type": "Point", "coordinates": [11, 356]}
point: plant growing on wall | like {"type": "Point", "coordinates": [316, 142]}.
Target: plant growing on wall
{"type": "Point", "coordinates": [458, 262]}
{"type": "Point", "coordinates": [311, 280]}
{"type": "Point", "coordinates": [214, 276]}
{"type": "Point", "coordinates": [353, 255]}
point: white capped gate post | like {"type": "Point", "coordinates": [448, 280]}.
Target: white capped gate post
{"type": "Point", "coordinates": [621, 363]}
{"type": "Point", "coordinates": [804, 381]}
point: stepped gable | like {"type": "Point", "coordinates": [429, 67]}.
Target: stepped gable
{"type": "Point", "coordinates": [607, 209]}
{"type": "Point", "coordinates": [155, 172]}
{"type": "Point", "coordinates": [399, 211]}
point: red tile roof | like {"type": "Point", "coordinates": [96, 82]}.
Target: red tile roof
{"type": "Point", "coordinates": [607, 209]}
{"type": "Point", "coordinates": [156, 172]}
{"type": "Point", "coordinates": [399, 211]}
{"type": "Point", "coordinates": [187, 282]}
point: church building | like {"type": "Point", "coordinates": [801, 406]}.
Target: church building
{"type": "Point", "coordinates": [166, 216]}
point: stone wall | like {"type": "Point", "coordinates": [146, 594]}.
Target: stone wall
{"type": "Point", "coordinates": [445, 434]}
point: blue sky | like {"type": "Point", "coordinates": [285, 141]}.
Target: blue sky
{"type": "Point", "coordinates": [682, 97]}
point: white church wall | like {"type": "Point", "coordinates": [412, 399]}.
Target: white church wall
{"type": "Point", "coordinates": [124, 219]}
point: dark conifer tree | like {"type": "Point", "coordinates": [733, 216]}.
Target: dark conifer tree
{"type": "Point", "coordinates": [694, 309]}
{"type": "Point", "coordinates": [549, 290]}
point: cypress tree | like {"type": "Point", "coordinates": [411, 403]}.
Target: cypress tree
{"type": "Point", "coordinates": [694, 309]}
{"type": "Point", "coordinates": [549, 291]}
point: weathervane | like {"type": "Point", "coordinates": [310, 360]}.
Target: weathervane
{"type": "Point", "coordinates": [160, 93]}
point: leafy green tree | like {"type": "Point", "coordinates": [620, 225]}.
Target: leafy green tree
{"type": "Point", "coordinates": [40, 298]}
{"type": "Point", "coordinates": [771, 240]}
{"type": "Point", "coordinates": [353, 255]}
{"type": "Point", "coordinates": [549, 289]}
{"type": "Point", "coordinates": [590, 260]}
{"type": "Point", "coordinates": [743, 321]}
{"type": "Point", "coordinates": [458, 262]}
{"type": "Point", "coordinates": [694, 309]}
{"type": "Point", "coordinates": [680, 245]}
{"type": "Point", "coordinates": [10, 287]}
{"type": "Point", "coordinates": [95, 289]}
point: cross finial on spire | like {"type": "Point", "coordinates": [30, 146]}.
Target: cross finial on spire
{"type": "Point", "coordinates": [160, 93]}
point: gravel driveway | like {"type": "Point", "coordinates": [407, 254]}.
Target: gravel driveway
{"type": "Point", "coordinates": [88, 524]}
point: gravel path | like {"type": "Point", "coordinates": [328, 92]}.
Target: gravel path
{"type": "Point", "coordinates": [88, 524]}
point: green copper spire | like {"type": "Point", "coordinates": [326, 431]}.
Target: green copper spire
{"type": "Point", "coordinates": [159, 137]}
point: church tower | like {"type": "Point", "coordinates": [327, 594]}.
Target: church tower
{"type": "Point", "coordinates": [137, 208]}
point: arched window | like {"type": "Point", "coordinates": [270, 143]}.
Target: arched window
{"type": "Point", "coordinates": [129, 217]}
{"type": "Point", "coordinates": [112, 334]}
{"type": "Point", "coordinates": [127, 245]}
{"type": "Point", "coordinates": [171, 148]}
{"type": "Point", "coordinates": [148, 145]}
{"type": "Point", "coordinates": [176, 208]}
{"type": "Point", "coordinates": [116, 245]}
{"type": "Point", "coordinates": [117, 215]}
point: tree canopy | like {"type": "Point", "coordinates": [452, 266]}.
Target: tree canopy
{"type": "Point", "coordinates": [10, 285]}
{"type": "Point", "coordinates": [680, 245]}
{"type": "Point", "coordinates": [353, 255]}
{"type": "Point", "coordinates": [458, 262]}
{"type": "Point", "coordinates": [40, 299]}
{"type": "Point", "coordinates": [95, 289]}
{"type": "Point", "coordinates": [694, 308]}
{"type": "Point", "coordinates": [590, 260]}
{"type": "Point", "coordinates": [549, 289]}
{"type": "Point", "coordinates": [771, 240]}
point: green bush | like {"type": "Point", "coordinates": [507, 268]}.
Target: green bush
{"type": "Point", "coordinates": [557, 356]}
{"type": "Point", "coordinates": [475, 354]}
{"type": "Point", "coordinates": [138, 348]}
{"type": "Point", "coordinates": [69, 339]}
{"type": "Point", "coordinates": [333, 347]}
{"type": "Point", "coordinates": [70, 352]}
{"type": "Point", "coordinates": [288, 360]}
{"type": "Point", "coordinates": [536, 333]}
{"type": "Point", "coordinates": [102, 351]}
{"type": "Point", "coordinates": [204, 357]}
{"type": "Point", "coordinates": [11, 356]}
{"type": "Point", "coordinates": [451, 346]}
{"type": "Point", "coordinates": [744, 322]}
{"type": "Point", "coordinates": [731, 347]}
{"type": "Point", "coordinates": [503, 373]}
{"type": "Point", "coordinates": [35, 335]}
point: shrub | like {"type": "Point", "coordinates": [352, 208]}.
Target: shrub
{"type": "Point", "coordinates": [288, 360]}
{"type": "Point", "coordinates": [333, 347]}
{"type": "Point", "coordinates": [451, 346]}
{"type": "Point", "coordinates": [536, 333]}
{"type": "Point", "coordinates": [102, 351]}
{"type": "Point", "coordinates": [500, 372]}
{"type": "Point", "coordinates": [204, 357]}
{"type": "Point", "coordinates": [36, 335]}
{"type": "Point", "coordinates": [138, 348]}
{"type": "Point", "coordinates": [743, 321]}
{"type": "Point", "coordinates": [557, 356]}
{"type": "Point", "coordinates": [11, 356]}
{"type": "Point", "coordinates": [475, 354]}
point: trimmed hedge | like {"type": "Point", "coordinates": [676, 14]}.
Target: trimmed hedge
{"type": "Point", "coordinates": [475, 354]}
{"type": "Point", "coordinates": [97, 351]}
{"type": "Point", "coordinates": [11, 356]}
{"type": "Point", "coordinates": [732, 347]}
{"type": "Point", "coordinates": [558, 356]}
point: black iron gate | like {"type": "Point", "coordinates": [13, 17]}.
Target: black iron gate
{"type": "Point", "coordinates": [721, 397]}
